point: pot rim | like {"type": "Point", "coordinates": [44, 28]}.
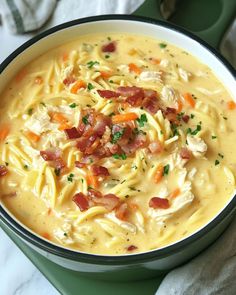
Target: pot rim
{"type": "Point", "coordinates": [66, 253]}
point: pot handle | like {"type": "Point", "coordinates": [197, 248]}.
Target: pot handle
{"type": "Point", "coordinates": [213, 34]}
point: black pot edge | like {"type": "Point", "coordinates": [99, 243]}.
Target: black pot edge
{"type": "Point", "coordinates": [122, 259]}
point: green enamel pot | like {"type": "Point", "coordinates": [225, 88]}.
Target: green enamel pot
{"type": "Point", "coordinates": [151, 263]}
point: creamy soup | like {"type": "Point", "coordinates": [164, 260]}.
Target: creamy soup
{"type": "Point", "coordinates": [116, 144]}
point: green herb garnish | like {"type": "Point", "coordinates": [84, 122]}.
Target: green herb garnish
{"type": "Point", "coordinates": [43, 104]}
{"type": "Point", "coordinates": [192, 116]}
{"type": "Point", "coordinates": [220, 155]}
{"type": "Point", "coordinates": [6, 163]}
{"type": "Point", "coordinates": [91, 63]}
{"type": "Point", "coordinates": [121, 156]}
{"type": "Point", "coordinates": [73, 105]}
{"type": "Point", "coordinates": [166, 169]}
{"type": "Point", "coordinates": [142, 120]}
{"type": "Point", "coordinates": [90, 86]}
{"type": "Point", "coordinates": [194, 132]}
{"type": "Point", "coordinates": [30, 111]}
{"type": "Point", "coordinates": [107, 56]}
{"type": "Point", "coordinates": [217, 162]}
{"type": "Point", "coordinates": [213, 137]}
{"type": "Point", "coordinates": [162, 45]}
{"type": "Point", "coordinates": [26, 167]}
{"type": "Point", "coordinates": [70, 177]}
{"type": "Point", "coordinates": [85, 120]}
{"type": "Point", "coordinates": [57, 171]}
{"type": "Point", "coordinates": [117, 135]}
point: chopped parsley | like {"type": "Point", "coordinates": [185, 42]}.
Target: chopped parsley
{"type": "Point", "coordinates": [26, 167]}
{"type": "Point", "coordinates": [6, 163]}
{"type": "Point", "coordinates": [142, 120]}
{"type": "Point", "coordinates": [57, 171]}
{"type": "Point", "coordinates": [225, 118]}
{"type": "Point", "coordinates": [134, 189]}
{"type": "Point", "coordinates": [194, 132]}
{"type": "Point", "coordinates": [30, 111]}
{"type": "Point", "coordinates": [213, 137]}
{"type": "Point", "coordinates": [109, 38]}
{"type": "Point", "coordinates": [134, 167]}
{"type": "Point", "coordinates": [174, 129]}
{"type": "Point", "coordinates": [73, 105]}
{"type": "Point", "coordinates": [166, 169]}
{"type": "Point", "coordinates": [91, 63]}
{"type": "Point", "coordinates": [111, 114]}
{"type": "Point", "coordinates": [85, 120]}
{"type": "Point", "coordinates": [111, 81]}
{"type": "Point", "coordinates": [107, 56]}
{"type": "Point", "coordinates": [162, 45]}
{"type": "Point", "coordinates": [90, 86]}
{"type": "Point", "coordinates": [43, 104]}
{"type": "Point", "coordinates": [82, 180]}
{"type": "Point", "coordinates": [192, 116]}
{"type": "Point", "coordinates": [70, 177]}
{"type": "Point", "coordinates": [180, 116]}
{"type": "Point", "coordinates": [65, 234]}
{"type": "Point", "coordinates": [123, 181]}
{"type": "Point", "coordinates": [121, 156]}
{"type": "Point", "coordinates": [217, 162]}
{"type": "Point", "coordinates": [117, 135]}
{"type": "Point", "coordinates": [220, 155]}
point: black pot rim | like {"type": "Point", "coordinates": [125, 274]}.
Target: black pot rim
{"type": "Point", "coordinates": [121, 259]}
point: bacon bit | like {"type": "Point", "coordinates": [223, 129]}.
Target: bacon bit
{"type": "Point", "coordinates": [150, 93]}
{"type": "Point", "coordinates": [174, 194]}
{"type": "Point", "coordinates": [231, 105]}
{"type": "Point", "coordinates": [124, 118]}
{"type": "Point", "coordinates": [171, 115]}
{"type": "Point", "coordinates": [122, 211]}
{"type": "Point", "coordinates": [159, 173]}
{"type": "Point", "coordinates": [107, 94]}
{"type": "Point", "coordinates": [159, 203]}
{"type": "Point", "coordinates": [135, 100]}
{"type": "Point", "coordinates": [132, 248]}
{"type": "Point", "coordinates": [81, 201]}
{"type": "Point", "coordinates": [105, 75]}
{"type": "Point", "coordinates": [20, 75]}
{"type": "Point", "coordinates": [134, 68]}
{"type": "Point", "coordinates": [3, 170]}
{"type": "Point", "coordinates": [189, 99]}
{"type": "Point", "coordinates": [59, 164]}
{"type": "Point", "coordinates": [155, 61]}
{"type": "Point", "coordinates": [78, 85]}
{"type": "Point", "coordinates": [110, 47]}
{"type": "Point", "coordinates": [46, 235]}
{"type": "Point", "coordinates": [92, 193]}
{"type": "Point", "coordinates": [38, 80]}
{"type": "Point", "coordinates": [185, 118]}
{"type": "Point", "coordinates": [4, 131]}
{"type": "Point", "coordinates": [109, 201]}
{"type": "Point", "coordinates": [99, 170]}
{"type": "Point", "coordinates": [69, 80]}
{"type": "Point", "coordinates": [79, 164]}
{"type": "Point", "coordinates": [92, 181]}
{"type": "Point", "coordinates": [151, 105]}
{"type": "Point", "coordinates": [49, 155]}
{"type": "Point", "coordinates": [32, 136]}
{"type": "Point", "coordinates": [155, 147]}
{"type": "Point", "coordinates": [140, 141]}
{"type": "Point", "coordinates": [179, 106]}
{"type": "Point", "coordinates": [185, 153]}
{"type": "Point", "coordinates": [72, 133]}
{"type": "Point", "coordinates": [130, 91]}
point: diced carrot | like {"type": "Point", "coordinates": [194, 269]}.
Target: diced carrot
{"type": "Point", "coordinates": [38, 80]}
{"type": "Point", "coordinates": [58, 117]}
{"type": "Point", "coordinates": [133, 206]}
{"type": "Point", "coordinates": [189, 99]}
{"type": "Point", "coordinates": [155, 61]}
{"type": "Point", "coordinates": [65, 56]}
{"type": "Point", "coordinates": [124, 118]}
{"type": "Point", "coordinates": [174, 194]}
{"type": "Point", "coordinates": [64, 126]}
{"type": "Point", "coordinates": [134, 68]}
{"type": "Point", "coordinates": [46, 235]}
{"type": "Point", "coordinates": [132, 52]}
{"type": "Point", "coordinates": [32, 136]}
{"type": "Point", "coordinates": [49, 211]}
{"type": "Point", "coordinates": [20, 75]}
{"type": "Point", "coordinates": [4, 131]}
{"type": "Point", "coordinates": [92, 181]}
{"type": "Point", "coordinates": [231, 105]}
{"type": "Point", "coordinates": [179, 106]}
{"type": "Point", "coordinates": [159, 173]}
{"type": "Point", "coordinates": [105, 75]}
{"type": "Point", "coordinates": [79, 84]}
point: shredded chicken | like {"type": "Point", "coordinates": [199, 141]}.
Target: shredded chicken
{"type": "Point", "coordinates": [196, 145]}
{"type": "Point", "coordinates": [150, 76]}
{"type": "Point", "coordinates": [184, 75]}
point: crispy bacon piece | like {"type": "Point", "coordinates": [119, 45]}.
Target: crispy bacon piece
{"type": "Point", "coordinates": [151, 104]}
{"type": "Point", "coordinates": [150, 93]}
{"type": "Point", "coordinates": [99, 170]}
{"type": "Point", "coordinates": [92, 193]}
{"type": "Point", "coordinates": [128, 91]}
{"type": "Point", "coordinates": [59, 163]}
{"type": "Point", "coordinates": [139, 141]}
{"type": "Point", "coordinates": [110, 47]}
{"type": "Point", "coordinates": [155, 147]}
{"type": "Point", "coordinates": [79, 164]}
{"type": "Point", "coordinates": [159, 203]}
{"type": "Point", "coordinates": [122, 211]}
{"type": "Point", "coordinates": [3, 170]}
{"type": "Point", "coordinates": [101, 122]}
{"type": "Point", "coordinates": [69, 80]}
{"type": "Point", "coordinates": [81, 201]}
{"type": "Point", "coordinates": [135, 100]}
{"type": "Point", "coordinates": [185, 153]}
{"type": "Point", "coordinates": [185, 118]}
{"type": "Point", "coordinates": [132, 248]}
{"type": "Point", "coordinates": [108, 94]}
{"type": "Point", "coordinates": [50, 155]}
{"type": "Point", "coordinates": [83, 143]}
{"type": "Point", "coordinates": [72, 133]}
{"type": "Point", "coordinates": [171, 115]}
{"type": "Point", "coordinates": [109, 201]}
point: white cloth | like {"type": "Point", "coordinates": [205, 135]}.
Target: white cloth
{"type": "Point", "coordinates": [211, 273]}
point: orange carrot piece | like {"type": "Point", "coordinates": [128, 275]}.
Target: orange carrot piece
{"type": "Point", "coordinates": [92, 181]}
{"type": "Point", "coordinates": [32, 136]}
{"type": "Point", "coordinates": [79, 84]}
{"type": "Point", "coordinates": [189, 99]}
{"type": "Point", "coordinates": [46, 235]}
{"type": "Point", "coordinates": [179, 106]}
{"type": "Point", "coordinates": [133, 206]}
{"type": "Point", "coordinates": [64, 126]}
{"type": "Point", "coordinates": [4, 131]}
{"type": "Point", "coordinates": [159, 173]}
{"type": "Point", "coordinates": [231, 105]}
{"type": "Point", "coordinates": [174, 194]}
{"type": "Point", "coordinates": [124, 118]}
{"type": "Point", "coordinates": [65, 56]}
{"type": "Point", "coordinates": [155, 61]}
{"type": "Point", "coordinates": [134, 68]}
{"type": "Point", "coordinates": [58, 117]}
{"type": "Point", "coordinates": [105, 75]}
{"type": "Point", "coordinates": [38, 80]}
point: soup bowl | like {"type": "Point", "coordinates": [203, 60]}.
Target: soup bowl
{"type": "Point", "coordinates": [131, 266]}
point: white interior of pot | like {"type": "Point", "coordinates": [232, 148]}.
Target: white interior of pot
{"type": "Point", "coordinates": [120, 26]}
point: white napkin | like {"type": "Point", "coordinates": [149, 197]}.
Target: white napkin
{"type": "Point", "coordinates": [212, 272]}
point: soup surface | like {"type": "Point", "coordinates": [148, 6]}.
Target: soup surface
{"type": "Point", "coordinates": [116, 144]}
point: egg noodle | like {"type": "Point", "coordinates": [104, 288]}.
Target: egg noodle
{"type": "Point", "coordinates": [181, 123]}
